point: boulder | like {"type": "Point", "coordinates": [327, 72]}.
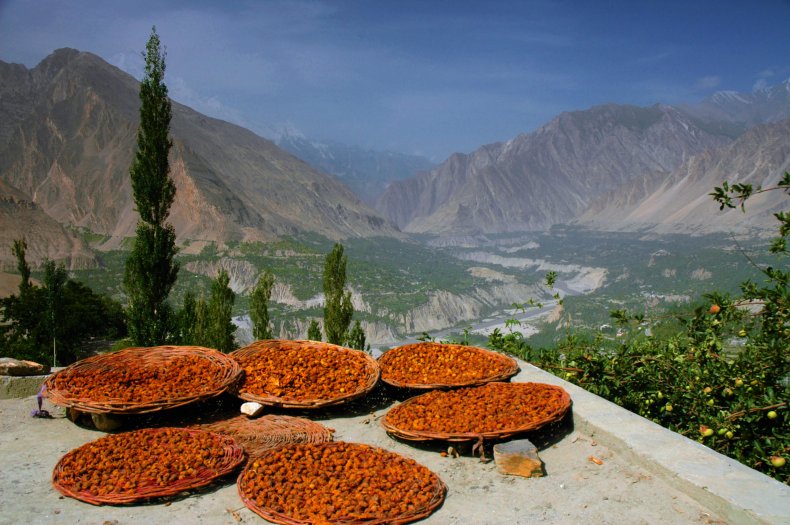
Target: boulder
{"type": "Point", "coordinates": [18, 367]}
{"type": "Point", "coordinates": [518, 458]}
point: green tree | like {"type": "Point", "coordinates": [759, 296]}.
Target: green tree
{"type": "Point", "coordinates": [314, 331]}
{"type": "Point", "coordinates": [356, 338]}
{"type": "Point", "coordinates": [259, 307]}
{"type": "Point", "coordinates": [20, 315]}
{"type": "Point", "coordinates": [220, 314]}
{"type": "Point", "coordinates": [202, 329]}
{"type": "Point", "coordinates": [63, 310]}
{"type": "Point", "coordinates": [54, 281]}
{"type": "Point", "coordinates": [338, 309]}
{"type": "Point", "coordinates": [734, 401]}
{"type": "Point", "coordinates": [19, 248]}
{"type": "Point", "coordinates": [187, 320]}
{"type": "Point", "coordinates": [151, 269]}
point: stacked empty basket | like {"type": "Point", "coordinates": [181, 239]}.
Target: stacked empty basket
{"type": "Point", "coordinates": [271, 431]}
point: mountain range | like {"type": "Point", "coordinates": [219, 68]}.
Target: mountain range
{"type": "Point", "coordinates": [67, 137]}
{"type": "Point", "coordinates": [599, 167]}
{"type": "Point", "coordinates": [68, 130]}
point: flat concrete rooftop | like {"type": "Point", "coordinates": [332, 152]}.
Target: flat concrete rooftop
{"type": "Point", "coordinates": [648, 474]}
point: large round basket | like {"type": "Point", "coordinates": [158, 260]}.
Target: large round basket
{"type": "Point", "coordinates": [304, 374]}
{"type": "Point", "coordinates": [430, 365]}
{"type": "Point", "coordinates": [339, 483]}
{"type": "Point", "coordinates": [144, 464]}
{"type": "Point", "coordinates": [271, 431]}
{"type": "Point", "coordinates": [140, 380]}
{"type": "Point", "coordinates": [490, 411]}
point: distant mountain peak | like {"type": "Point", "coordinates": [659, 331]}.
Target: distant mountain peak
{"type": "Point", "coordinates": [730, 97]}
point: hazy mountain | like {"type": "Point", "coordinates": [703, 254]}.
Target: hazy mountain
{"type": "Point", "coordinates": [744, 110]}
{"type": "Point", "coordinates": [551, 175]}
{"type": "Point", "coordinates": [680, 202]}
{"type": "Point", "coordinates": [67, 137]}
{"type": "Point", "coordinates": [367, 172]}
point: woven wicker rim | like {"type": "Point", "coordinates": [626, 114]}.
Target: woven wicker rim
{"type": "Point", "coordinates": [510, 366]}
{"type": "Point", "coordinates": [425, 435]}
{"type": "Point", "coordinates": [437, 497]}
{"type": "Point", "coordinates": [228, 372]}
{"type": "Point", "coordinates": [232, 455]}
{"type": "Point", "coordinates": [271, 431]}
{"type": "Point", "coordinates": [372, 373]}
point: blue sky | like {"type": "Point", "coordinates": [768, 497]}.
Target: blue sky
{"type": "Point", "coordinates": [427, 77]}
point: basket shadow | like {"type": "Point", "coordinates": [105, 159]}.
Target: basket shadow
{"type": "Point", "coordinates": [543, 438]}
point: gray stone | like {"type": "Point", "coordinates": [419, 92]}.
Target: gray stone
{"type": "Point", "coordinates": [18, 367]}
{"type": "Point", "coordinates": [518, 458]}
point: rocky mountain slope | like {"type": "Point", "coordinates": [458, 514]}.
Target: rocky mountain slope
{"type": "Point", "coordinates": [680, 202]}
{"type": "Point", "coordinates": [549, 176]}
{"type": "Point", "coordinates": [46, 238]}
{"type": "Point", "coordinates": [67, 137]}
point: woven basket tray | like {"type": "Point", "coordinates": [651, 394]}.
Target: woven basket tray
{"type": "Point", "coordinates": [440, 365]}
{"type": "Point", "coordinates": [224, 456]}
{"type": "Point", "coordinates": [270, 431]}
{"type": "Point", "coordinates": [140, 380]}
{"type": "Point", "coordinates": [334, 490]}
{"type": "Point", "coordinates": [288, 373]}
{"type": "Point", "coordinates": [530, 405]}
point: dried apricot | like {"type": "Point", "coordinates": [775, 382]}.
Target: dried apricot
{"type": "Point", "coordinates": [430, 364]}
{"type": "Point", "coordinates": [303, 372]}
{"type": "Point", "coordinates": [487, 409]}
{"type": "Point", "coordinates": [120, 468]}
{"type": "Point", "coordinates": [372, 484]}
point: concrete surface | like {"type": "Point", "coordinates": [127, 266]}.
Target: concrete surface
{"type": "Point", "coordinates": [20, 386]}
{"type": "Point", "coordinates": [730, 489]}
{"type": "Point", "coordinates": [646, 474]}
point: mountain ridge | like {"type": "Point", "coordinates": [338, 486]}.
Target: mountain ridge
{"type": "Point", "coordinates": [70, 127]}
{"type": "Point", "coordinates": [548, 176]}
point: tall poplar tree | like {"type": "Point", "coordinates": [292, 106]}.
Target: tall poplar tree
{"type": "Point", "coordinates": [55, 279]}
{"type": "Point", "coordinates": [259, 306]}
{"type": "Point", "coordinates": [220, 327]}
{"type": "Point", "coordinates": [19, 248]}
{"type": "Point", "coordinates": [314, 331]}
{"type": "Point", "coordinates": [338, 309]}
{"type": "Point", "coordinates": [151, 269]}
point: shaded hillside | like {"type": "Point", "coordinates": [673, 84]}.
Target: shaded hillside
{"type": "Point", "coordinates": [69, 127]}
{"type": "Point", "coordinates": [45, 237]}
{"type": "Point", "coordinates": [549, 176]}
{"type": "Point", "coordinates": [680, 202]}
